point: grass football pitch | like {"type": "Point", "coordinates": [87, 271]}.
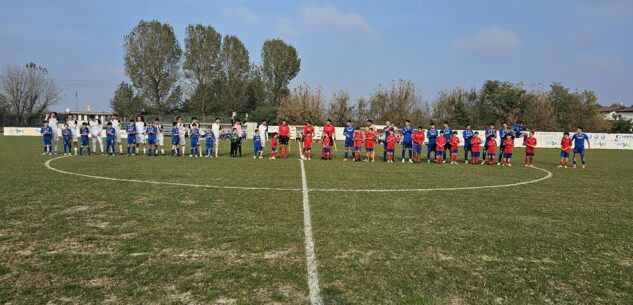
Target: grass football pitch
{"type": "Point", "coordinates": [232, 231]}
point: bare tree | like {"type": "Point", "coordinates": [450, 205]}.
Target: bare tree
{"type": "Point", "coordinates": [395, 104]}
{"type": "Point", "coordinates": [340, 110]}
{"type": "Point", "coordinates": [28, 91]}
{"type": "Point", "coordinates": [303, 104]}
{"type": "Point", "coordinates": [361, 112]}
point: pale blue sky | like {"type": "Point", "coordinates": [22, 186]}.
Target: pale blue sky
{"type": "Point", "coordinates": [353, 44]}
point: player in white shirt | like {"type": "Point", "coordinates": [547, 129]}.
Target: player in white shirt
{"type": "Point", "coordinates": [160, 137]}
{"type": "Point", "coordinates": [263, 132]}
{"type": "Point", "coordinates": [52, 122]}
{"type": "Point", "coordinates": [182, 135]}
{"type": "Point", "coordinates": [95, 128]}
{"type": "Point", "coordinates": [140, 135]}
{"type": "Point", "coordinates": [117, 134]}
{"type": "Point", "coordinates": [72, 125]}
{"type": "Point", "coordinates": [216, 127]}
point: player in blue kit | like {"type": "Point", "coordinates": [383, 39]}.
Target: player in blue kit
{"type": "Point", "coordinates": [467, 134]}
{"type": "Point", "coordinates": [84, 139]}
{"type": "Point", "coordinates": [175, 139]}
{"type": "Point", "coordinates": [448, 133]}
{"type": "Point", "coordinates": [431, 135]}
{"type": "Point", "coordinates": [579, 146]}
{"type": "Point", "coordinates": [110, 139]}
{"type": "Point", "coordinates": [490, 133]}
{"type": "Point", "coordinates": [67, 137]}
{"type": "Point", "coordinates": [503, 133]}
{"type": "Point", "coordinates": [257, 145]}
{"type": "Point", "coordinates": [194, 140]}
{"type": "Point", "coordinates": [520, 130]}
{"type": "Point", "coordinates": [209, 136]}
{"type": "Point", "coordinates": [348, 132]}
{"type": "Point", "coordinates": [130, 130]}
{"type": "Point", "coordinates": [407, 140]}
{"type": "Point", "coordinates": [47, 138]}
{"type": "Point", "coordinates": [151, 132]}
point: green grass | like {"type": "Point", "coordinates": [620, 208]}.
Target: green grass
{"type": "Point", "coordinates": [77, 240]}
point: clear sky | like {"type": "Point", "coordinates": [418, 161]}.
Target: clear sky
{"type": "Point", "coordinates": [349, 44]}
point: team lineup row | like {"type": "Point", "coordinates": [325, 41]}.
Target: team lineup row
{"type": "Point", "coordinates": [441, 143]}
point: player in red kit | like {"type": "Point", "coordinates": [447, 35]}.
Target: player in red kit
{"type": "Point", "coordinates": [329, 131]}
{"type": "Point", "coordinates": [418, 141]}
{"type": "Point", "coordinates": [391, 147]}
{"type": "Point", "coordinates": [284, 138]}
{"type": "Point", "coordinates": [358, 144]}
{"type": "Point", "coordinates": [454, 142]}
{"type": "Point", "coordinates": [370, 144]}
{"type": "Point", "coordinates": [308, 128]}
{"type": "Point", "coordinates": [530, 147]}
{"type": "Point", "coordinates": [475, 148]}
{"type": "Point", "coordinates": [273, 146]}
{"type": "Point", "coordinates": [307, 146]}
{"type": "Point", "coordinates": [440, 144]}
{"type": "Point", "coordinates": [326, 152]}
{"type": "Point", "coordinates": [508, 147]}
{"type": "Point", "coordinates": [492, 149]}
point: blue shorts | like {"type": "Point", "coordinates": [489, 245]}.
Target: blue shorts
{"type": "Point", "coordinates": [131, 139]}
{"type": "Point", "coordinates": [349, 143]}
{"type": "Point", "coordinates": [358, 149]}
{"type": "Point", "coordinates": [417, 149]}
{"type": "Point", "coordinates": [440, 153]}
{"type": "Point", "coordinates": [47, 140]}
{"type": "Point", "coordinates": [507, 156]}
{"type": "Point", "coordinates": [453, 152]}
{"type": "Point", "coordinates": [369, 150]}
{"type": "Point", "coordinates": [308, 149]}
{"type": "Point", "coordinates": [84, 141]}
{"type": "Point", "coordinates": [390, 151]}
{"type": "Point", "coordinates": [531, 154]}
{"type": "Point", "coordinates": [110, 141]}
{"type": "Point", "coordinates": [326, 150]}
{"type": "Point", "coordinates": [273, 148]}
{"type": "Point", "coordinates": [431, 147]}
{"type": "Point", "coordinates": [175, 140]}
{"type": "Point", "coordinates": [491, 154]}
{"type": "Point", "coordinates": [210, 145]}
{"type": "Point", "coordinates": [151, 141]}
{"type": "Point", "coordinates": [195, 144]}
{"type": "Point", "coordinates": [474, 154]}
{"type": "Point", "coordinates": [407, 144]}
{"type": "Point", "coordinates": [467, 146]}
{"type": "Point", "coordinates": [564, 154]}
{"type": "Point", "coordinates": [579, 150]}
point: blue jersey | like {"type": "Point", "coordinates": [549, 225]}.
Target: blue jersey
{"type": "Point", "coordinates": [432, 134]}
{"type": "Point", "coordinates": [175, 132]}
{"type": "Point", "coordinates": [47, 131]}
{"type": "Point", "coordinates": [503, 132]}
{"type": "Point", "coordinates": [407, 133]}
{"type": "Point", "coordinates": [67, 134]}
{"type": "Point", "coordinates": [194, 135]}
{"type": "Point", "coordinates": [110, 133]}
{"type": "Point", "coordinates": [83, 132]}
{"type": "Point", "coordinates": [348, 131]}
{"type": "Point", "coordinates": [490, 132]}
{"type": "Point", "coordinates": [448, 133]}
{"type": "Point", "coordinates": [130, 130]}
{"type": "Point", "coordinates": [257, 142]}
{"type": "Point", "coordinates": [518, 129]}
{"type": "Point", "coordinates": [151, 132]}
{"type": "Point", "coordinates": [209, 137]}
{"type": "Point", "coordinates": [468, 135]}
{"type": "Point", "coordinates": [579, 140]}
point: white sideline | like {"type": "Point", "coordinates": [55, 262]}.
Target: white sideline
{"type": "Point", "coordinates": [313, 275]}
{"type": "Point", "coordinates": [47, 164]}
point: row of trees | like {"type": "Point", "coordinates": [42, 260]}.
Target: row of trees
{"type": "Point", "coordinates": [558, 108]}
{"type": "Point", "coordinates": [214, 74]}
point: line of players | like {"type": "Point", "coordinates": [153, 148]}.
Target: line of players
{"type": "Point", "coordinates": [412, 140]}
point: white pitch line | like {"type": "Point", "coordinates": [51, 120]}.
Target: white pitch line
{"type": "Point", "coordinates": [313, 275]}
{"type": "Point", "coordinates": [547, 176]}
{"type": "Point", "coordinates": [47, 164]}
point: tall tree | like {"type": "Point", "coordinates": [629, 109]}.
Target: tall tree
{"type": "Point", "coordinates": [152, 57]}
{"type": "Point", "coordinates": [280, 64]}
{"type": "Point", "coordinates": [201, 66]}
{"type": "Point", "coordinates": [303, 104]}
{"type": "Point", "coordinates": [125, 102]}
{"type": "Point", "coordinates": [452, 106]}
{"type": "Point", "coordinates": [28, 91]}
{"type": "Point", "coordinates": [502, 101]}
{"type": "Point", "coordinates": [395, 103]}
{"type": "Point", "coordinates": [340, 109]}
{"type": "Point", "coordinates": [234, 74]}
{"type": "Point", "coordinates": [361, 113]}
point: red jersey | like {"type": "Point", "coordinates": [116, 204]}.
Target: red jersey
{"type": "Point", "coordinates": [532, 141]}
{"type": "Point", "coordinates": [492, 146]}
{"type": "Point", "coordinates": [274, 141]}
{"type": "Point", "coordinates": [454, 143]}
{"type": "Point", "coordinates": [565, 144]}
{"type": "Point", "coordinates": [284, 130]}
{"type": "Point", "coordinates": [418, 138]}
{"type": "Point", "coordinates": [370, 140]}
{"type": "Point", "coordinates": [391, 142]}
{"type": "Point", "coordinates": [358, 139]}
{"type": "Point", "coordinates": [307, 141]}
{"type": "Point", "coordinates": [474, 142]}
{"type": "Point", "coordinates": [440, 143]}
{"type": "Point", "coordinates": [328, 130]}
{"type": "Point", "coordinates": [508, 146]}
{"type": "Point", "coordinates": [307, 129]}
{"type": "Point", "coordinates": [326, 142]}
